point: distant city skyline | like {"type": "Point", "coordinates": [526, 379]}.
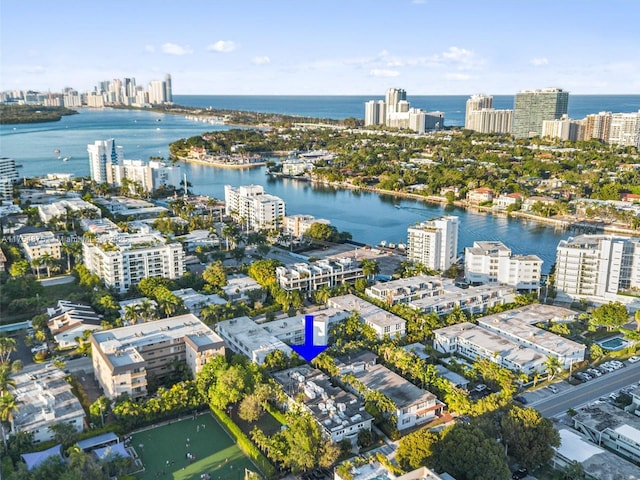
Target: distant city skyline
{"type": "Point", "coordinates": [327, 47]}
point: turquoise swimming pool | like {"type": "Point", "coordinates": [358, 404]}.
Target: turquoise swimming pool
{"type": "Point", "coordinates": [614, 343]}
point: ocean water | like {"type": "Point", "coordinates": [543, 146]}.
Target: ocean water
{"type": "Point", "coordinates": [340, 107]}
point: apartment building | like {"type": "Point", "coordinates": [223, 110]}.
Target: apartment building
{"type": "Point", "coordinates": [608, 426]}
{"type": "Point", "coordinates": [309, 277]}
{"type": "Point", "coordinates": [597, 266]}
{"type": "Point", "coordinates": [252, 207]}
{"type": "Point", "coordinates": [406, 290]}
{"type": "Point", "coordinates": [511, 340]}
{"type": "Point", "coordinates": [477, 343]}
{"type": "Point", "coordinates": [8, 176]}
{"type": "Point", "coordinates": [123, 259]}
{"type": "Point", "coordinates": [245, 336]}
{"type": "Point", "coordinates": [519, 326]}
{"type": "Point", "coordinates": [625, 129]}
{"type": "Point", "coordinates": [414, 406]}
{"type": "Point", "coordinates": [38, 244]}
{"type": "Point", "coordinates": [296, 225]}
{"type": "Point", "coordinates": [480, 116]}
{"type": "Point", "coordinates": [434, 243]}
{"type": "Point", "coordinates": [256, 341]}
{"type": "Point", "coordinates": [44, 398]}
{"type": "Point", "coordinates": [65, 208]}
{"type": "Point", "coordinates": [440, 295]}
{"type": "Point", "coordinates": [493, 262]}
{"type": "Point", "coordinates": [340, 414]}
{"type": "Point", "coordinates": [124, 359]}
{"type": "Point", "coordinates": [384, 323]}
{"type": "Point", "coordinates": [532, 107]}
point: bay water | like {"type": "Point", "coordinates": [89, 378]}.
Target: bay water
{"type": "Point", "coordinates": [369, 217]}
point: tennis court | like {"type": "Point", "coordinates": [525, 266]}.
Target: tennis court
{"type": "Point", "coordinates": [165, 451]}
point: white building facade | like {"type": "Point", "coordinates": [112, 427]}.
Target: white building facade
{"type": "Point", "coordinates": [253, 207]}
{"type": "Point", "coordinates": [434, 243]}
{"type": "Point", "coordinates": [493, 262]}
{"type": "Point", "coordinates": [123, 259]}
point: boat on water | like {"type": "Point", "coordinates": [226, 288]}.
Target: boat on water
{"type": "Point", "coordinates": [66, 159]}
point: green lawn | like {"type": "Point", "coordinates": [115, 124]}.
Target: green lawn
{"type": "Point", "coordinates": [215, 453]}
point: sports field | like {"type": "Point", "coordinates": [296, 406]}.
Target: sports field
{"type": "Point", "coordinates": [163, 451]}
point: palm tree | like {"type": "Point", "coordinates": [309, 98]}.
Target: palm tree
{"type": "Point", "coordinates": [370, 268]}
{"type": "Point", "coordinates": [552, 366]}
{"type": "Point", "coordinates": [7, 346]}
{"type": "Point", "coordinates": [131, 314]}
{"type": "Point", "coordinates": [6, 382]}
{"type": "Point", "coordinates": [36, 263]}
{"type": "Point", "coordinates": [8, 405]}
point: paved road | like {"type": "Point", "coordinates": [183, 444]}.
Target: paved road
{"type": "Point", "coordinates": [575, 396]}
{"type": "Point", "coordinates": [61, 280]}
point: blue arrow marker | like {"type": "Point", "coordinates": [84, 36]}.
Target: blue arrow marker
{"type": "Point", "coordinates": [308, 350]}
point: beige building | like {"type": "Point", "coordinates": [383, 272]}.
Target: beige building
{"type": "Point", "coordinates": [37, 244]}
{"type": "Point", "coordinates": [309, 277]}
{"type": "Point", "coordinates": [124, 359]}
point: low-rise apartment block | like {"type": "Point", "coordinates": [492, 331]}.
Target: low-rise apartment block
{"type": "Point", "coordinates": [384, 323]}
{"type": "Point", "coordinates": [238, 287]}
{"type": "Point", "coordinates": [62, 209]}
{"type": "Point", "coordinates": [493, 262]}
{"type": "Point", "coordinates": [44, 398]}
{"type": "Point", "coordinates": [296, 225]}
{"type": "Point", "coordinates": [610, 427]}
{"type": "Point", "coordinates": [123, 259]}
{"type": "Point", "coordinates": [245, 336]}
{"type": "Point", "coordinates": [340, 414]}
{"type": "Point", "coordinates": [38, 244]}
{"type": "Point", "coordinates": [511, 340]}
{"type": "Point", "coordinates": [440, 295]}
{"type": "Point", "coordinates": [477, 343]}
{"type": "Point", "coordinates": [125, 358]}
{"type": "Point", "coordinates": [257, 340]}
{"type": "Point", "coordinates": [414, 406]}
{"type": "Point", "coordinates": [309, 277]}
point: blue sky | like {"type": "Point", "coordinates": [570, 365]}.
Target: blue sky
{"type": "Point", "coordinates": [323, 47]}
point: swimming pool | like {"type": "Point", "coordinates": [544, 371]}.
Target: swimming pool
{"type": "Point", "coordinates": [614, 343]}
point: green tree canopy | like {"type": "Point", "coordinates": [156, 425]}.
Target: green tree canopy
{"type": "Point", "coordinates": [610, 315]}
{"type": "Point", "coordinates": [530, 437]}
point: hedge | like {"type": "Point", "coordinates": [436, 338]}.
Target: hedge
{"type": "Point", "coordinates": [245, 444]}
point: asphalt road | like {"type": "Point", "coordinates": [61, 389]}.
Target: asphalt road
{"type": "Point", "coordinates": [578, 395]}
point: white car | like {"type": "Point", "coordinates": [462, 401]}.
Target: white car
{"type": "Point", "coordinates": [634, 359]}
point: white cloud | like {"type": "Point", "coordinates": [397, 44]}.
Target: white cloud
{"type": "Point", "coordinates": [37, 69]}
{"type": "Point", "coordinates": [380, 72]}
{"type": "Point", "coordinates": [149, 48]}
{"type": "Point", "coordinates": [538, 62]}
{"type": "Point", "coordinates": [457, 76]}
{"type": "Point", "coordinates": [264, 60]}
{"type": "Point", "coordinates": [175, 49]}
{"type": "Point", "coordinates": [222, 46]}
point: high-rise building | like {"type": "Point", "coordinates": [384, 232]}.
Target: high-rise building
{"type": "Point", "coordinates": [393, 98]}
{"type": "Point", "coordinates": [597, 266]}
{"type": "Point", "coordinates": [156, 92]}
{"type": "Point", "coordinates": [168, 93]}
{"type": "Point", "coordinates": [254, 208]}
{"type": "Point", "coordinates": [104, 155]}
{"type": "Point", "coordinates": [597, 126]}
{"type": "Point", "coordinates": [532, 107]}
{"type": "Point", "coordinates": [434, 243]}
{"type": "Point", "coordinates": [562, 129]}
{"type": "Point", "coordinates": [375, 112]}
{"type": "Point", "coordinates": [625, 129]}
{"type": "Point", "coordinates": [476, 103]}
{"type": "Point", "coordinates": [8, 176]}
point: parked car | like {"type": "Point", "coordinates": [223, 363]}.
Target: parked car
{"type": "Point", "coordinates": [520, 474]}
{"type": "Point", "coordinates": [634, 359]}
{"type": "Point", "coordinates": [521, 399]}
{"type": "Point", "coordinates": [593, 372]}
{"type": "Point", "coordinates": [553, 388]}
